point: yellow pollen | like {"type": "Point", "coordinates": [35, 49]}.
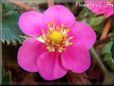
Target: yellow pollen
{"type": "Point", "coordinates": [56, 36]}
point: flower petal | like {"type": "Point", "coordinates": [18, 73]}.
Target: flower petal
{"type": "Point", "coordinates": [28, 54]}
{"type": "Point", "coordinates": [60, 14]}
{"type": "Point", "coordinates": [96, 6]}
{"type": "Point", "coordinates": [49, 65]}
{"type": "Point", "coordinates": [30, 23]}
{"type": "Point", "coordinates": [83, 35]}
{"type": "Point", "coordinates": [76, 58]}
{"type": "Point", "coordinates": [109, 11]}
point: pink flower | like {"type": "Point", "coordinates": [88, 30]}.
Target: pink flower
{"type": "Point", "coordinates": [100, 7]}
{"type": "Point", "coordinates": [57, 43]}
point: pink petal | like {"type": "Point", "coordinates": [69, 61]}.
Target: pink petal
{"type": "Point", "coordinates": [76, 59]}
{"type": "Point", "coordinates": [49, 65]}
{"type": "Point", "coordinates": [30, 23]}
{"type": "Point", "coordinates": [60, 14]}
{"type": "Point", "coordinates": [96, 6]}
{"type": "Point", "coordinates": [28, 54]}
{"type": "Point", "coordinates": [109, 11]}
{"type": "Point", "coordinates": [83, 35]}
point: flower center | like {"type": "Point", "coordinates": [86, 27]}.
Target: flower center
{"type": "Point", "coordinates": [56, 37]}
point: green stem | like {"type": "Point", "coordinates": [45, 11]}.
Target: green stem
{"type": "Point", "coordinates": [99, 62]}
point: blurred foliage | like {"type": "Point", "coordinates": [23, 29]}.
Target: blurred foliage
{"type": "Point", "coordinates": [107, 57]}
{"type": "Point", "coordinates": [6, 77]}
{"type": "Point", "coordinates": [10, 30]}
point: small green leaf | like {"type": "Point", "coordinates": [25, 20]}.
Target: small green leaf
{"type": "Point", "coordinates": [113, 51]}
{"type": "Point", "coordinates": [84, 14]}
{"type": "Point", "coordinates": [6, 78]}
{"type": "Point", "coordinates": [107, 55]}
{"type": "Point", "coordinates": [96, 20]}
{"type": "Point", "coordinates": [107, 47]}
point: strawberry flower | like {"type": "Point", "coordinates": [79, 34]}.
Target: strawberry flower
{"type": "Point", "coordinates": [57, 43]}
{"type": "Point", "coordinates": [101, 7]}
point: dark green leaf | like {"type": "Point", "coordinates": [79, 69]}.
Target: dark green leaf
{"type": "Point", "coordinates": [113, 50]}
{"type": "Point", "coordinates": [84, 14]}
{"type": "Point", "coordinates": [6, 78]}
{"type": "Point", "coordinates": [107, 55]}
{"type": "Point", "coordinates": [96, 20]}
{"type": "Point", "coordinates": [10, 30]}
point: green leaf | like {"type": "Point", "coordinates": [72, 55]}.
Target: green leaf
{"type": "Point", "coordinates": [107, 47]}
{"type": "Point", "coordinates": [6, 78]}
{"type": "Point", "coordinates": [107, 55]}
{"type": "Point", "coordinates": [113, 51]}
{"type": "Point", "coordinates": [84, 14]}
{"type": "Point", "coordinates": [96, 20]}
{"type": "Point", "coordinates": [10, 30]}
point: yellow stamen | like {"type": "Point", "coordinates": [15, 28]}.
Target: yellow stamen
{"type": "Point", "coordinates": [56, 36]}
